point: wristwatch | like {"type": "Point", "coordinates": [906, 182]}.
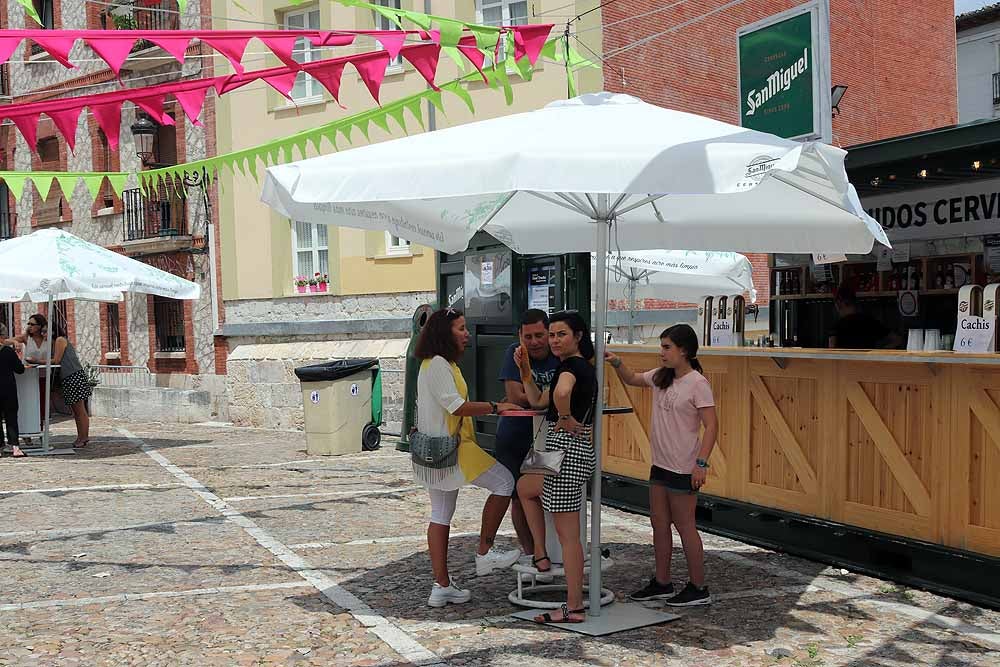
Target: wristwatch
{"type": "Point", "coordinates": [493, 408]}
{"type": "Point", "coordinates": [701, 463]}
{"type": "Point", "coordinates": [616, 363]}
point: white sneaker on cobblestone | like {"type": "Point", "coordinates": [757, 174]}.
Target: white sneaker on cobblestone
{"type": "Point", "coordinates": [494, 559]}
{"type": "Point", "coordinates": [442, 595]}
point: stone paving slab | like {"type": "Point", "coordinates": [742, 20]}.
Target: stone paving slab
{"type": "Point", "coordinates": [325, 576]}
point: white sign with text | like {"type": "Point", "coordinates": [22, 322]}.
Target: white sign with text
{"type": "Point", "coordinates": [722, 334]}
{"type": "Point", "coordinates": [974, 335]}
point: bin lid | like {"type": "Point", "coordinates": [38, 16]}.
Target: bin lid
{"type": "Point", "coordinates": [334, 370]}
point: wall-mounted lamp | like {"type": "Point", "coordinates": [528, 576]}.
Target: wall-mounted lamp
{"type": "Point", "coordinates": [836, 95]}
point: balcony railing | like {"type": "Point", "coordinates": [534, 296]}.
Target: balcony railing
{"type": "Point", "coordinates": [135, 15]}
{"type": "Point", "coordinates": [156, 217]}
{"type": "Point", "coordinates": [996, 88]}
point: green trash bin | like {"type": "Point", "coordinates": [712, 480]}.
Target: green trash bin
{"type": "Point", "coordinates": [342, 402]}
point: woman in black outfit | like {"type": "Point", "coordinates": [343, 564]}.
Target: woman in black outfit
{"type": "Point", "coordinates": [10, 364]}
{"type": "Point", "coordinates": [570, 404]}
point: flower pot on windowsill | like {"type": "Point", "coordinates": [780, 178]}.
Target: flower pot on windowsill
{"type": "Point", "coordinates": [301, 288]}
{"type": "Point", "coordinates": [322, 287]}
{"type": "Point", "coordinates": [314, 288]}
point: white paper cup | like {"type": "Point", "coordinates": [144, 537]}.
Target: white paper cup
{"type": "Point", "coordinates": [915, 340]}
{"type": "Point", "coordinates": [932, 340]}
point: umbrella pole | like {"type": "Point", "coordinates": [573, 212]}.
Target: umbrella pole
{"type": "Point", "coordinates": [600, 326]}
{"type": "Point", "coordinates": [631, 309]}
{"type": "Point", "coordinates": [46, 411]}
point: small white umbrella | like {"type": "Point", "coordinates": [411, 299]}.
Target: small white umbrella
{"type": "Point", "coordinates": [52, 265]}
{"type": "Point", "coordinates": [675, 275]}
{"type": "Point", "coordinates": [595, 172]}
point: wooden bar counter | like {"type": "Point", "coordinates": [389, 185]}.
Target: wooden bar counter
{"type": "Point", "coordinates": [901, 443]}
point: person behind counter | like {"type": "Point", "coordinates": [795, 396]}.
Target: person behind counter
{"type": "Point", "coordinates": [10, 364]}
{"type": "Point", "coordinates": [858, 330]}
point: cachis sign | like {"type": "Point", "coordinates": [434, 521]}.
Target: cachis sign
{"type": "Point", "coordinates": [781, 71]}
{"type": "Point", "coordinates": [966, 209]}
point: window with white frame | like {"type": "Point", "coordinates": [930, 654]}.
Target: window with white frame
{"type": "Point", "coordinates": [395, 245]}
{"type": "Point", "coordinates": [305, 86]}
{"type": "Point", "coordinates": [384, 23]}
{"type": "Point", "coordinates": [503, 12]}
{"type": "Point", "coordinates": [312, 253]}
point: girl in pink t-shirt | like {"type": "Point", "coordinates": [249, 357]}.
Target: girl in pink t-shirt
{"type": "Point", "coordinates": [682, 405]}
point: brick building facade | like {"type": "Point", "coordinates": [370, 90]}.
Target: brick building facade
{"type": "Point", "coordinates": [174, 340]}
{"type": "Point", "coordinates": [897, 59]}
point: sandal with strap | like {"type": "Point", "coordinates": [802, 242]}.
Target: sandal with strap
{"type": "Point", "coordinates": [17, 453]}
{"type": "Point", "coordinates": [566, 611]}
{"type": "Point", "coordinates": [81, 444]}
{"type": "Point", "coordinates": [536, 561]}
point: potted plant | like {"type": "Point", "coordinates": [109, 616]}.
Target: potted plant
{"type": "Point", "coordinates": [321, 281]}
{"type": "Point", "coordinates": [300, 284]}
{"type": "Point", "coordinates": [313, 285]}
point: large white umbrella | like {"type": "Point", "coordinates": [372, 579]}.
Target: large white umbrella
{"type": "Point", "coordinates": [675, 275]}
{"type": "Point", "coordinates": [595, 172]}
{"type": "Point", "coordinates": [52, 265]}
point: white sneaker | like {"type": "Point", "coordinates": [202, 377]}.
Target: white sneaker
{"type": "Point", "coordinates": [494, 559]}
{"type": "Point", "coordinates": [441, 595]}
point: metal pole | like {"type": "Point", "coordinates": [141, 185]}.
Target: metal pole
{"type": "Point", "coordinates": [600, 326]}
{"type": "Point", "coordinates": [631, 308]}
{"type": "Point", "coordinates": [46, 411]}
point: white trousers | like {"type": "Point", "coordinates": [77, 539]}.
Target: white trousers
{"type": "Point", "coordinates": [497, 480]}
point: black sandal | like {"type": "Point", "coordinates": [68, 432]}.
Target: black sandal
{"type": "Point", "coordinates": [536, 561]}
{"type": "Point", "coordinates": [566, 611]}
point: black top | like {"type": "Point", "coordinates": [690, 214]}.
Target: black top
{"type": "Point", "coordinates": [859, 331]}
{"type": "Point", "coordinates": [584, 391]}
{"type": "Point", "coordinates": [10, 363]}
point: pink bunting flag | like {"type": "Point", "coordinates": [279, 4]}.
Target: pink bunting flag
{"type": "Point", "coordinates": [153, 105]}
{"type": "Point", "coordinates": [467, 47]}
{"type": "Point", "coordinates": [28, 126]}
{"type": "Point", "coordinates": [58, 44]}
{"type": "Point", "coordinates": [391, 40]}
{"type": "Point", "coordinates": [372, 67]}
{"type": "Point", "coordinates": [113, 51]}
{"type": "Point", "coordinates": [175, 46]}
{"type": "Point", "coordinates": [529, 40]}
{"type": "Point", "coordinates": [7, 47]}
{"type": "Point", "coordinates": [67, 120]}
{"type": "Point", "coordinates": [424, 58]}
{"type": "Point", "coordinates": [326, 38]}
{"type": "Point", "coordinates": [109, 117]}
{"type": "Point", "coordinates": [329, 77]}
{"type": "Point", "coordinates": [282, 47]}
{"type": "Point", "coordinates": [231, 47]}
{"type": "Point", "coordinates": [283, 83]}
{"type": "Point", "coordinates": [192, 102]}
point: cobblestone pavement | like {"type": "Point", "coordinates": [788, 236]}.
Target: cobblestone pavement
{"type": "Point", "coordinates": [206, 545]}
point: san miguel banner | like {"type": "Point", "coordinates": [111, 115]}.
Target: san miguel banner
{"type": "Point", "coordinates": [782, 74]}
{"type": "Point", "coordinates": [965, 209]}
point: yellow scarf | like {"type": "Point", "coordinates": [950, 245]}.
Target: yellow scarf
{"type": "Point", "coordinates": [471, 458]}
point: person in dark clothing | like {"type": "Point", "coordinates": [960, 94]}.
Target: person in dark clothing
{"type": "Point", "coordinates": [856, 330]}
{"type": "Point", "coordinates": [10, 364]}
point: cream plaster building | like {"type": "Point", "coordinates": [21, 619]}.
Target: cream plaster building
{"type": "Point", "coordinates": [376, 280]}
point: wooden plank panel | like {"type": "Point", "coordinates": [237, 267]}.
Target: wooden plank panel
{"type": "Point", "coordinates": [786, 440]}
{"type": "Point", "coordinates": [896, 523]}
{"type": "Point", "coordinates": [889, 449]}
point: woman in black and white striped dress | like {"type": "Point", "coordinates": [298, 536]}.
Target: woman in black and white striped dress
{"type": "Point", "coordinates": [570, 404]}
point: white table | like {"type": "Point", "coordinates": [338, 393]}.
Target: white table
{"type": "Point", "coordinates": [29, 408]}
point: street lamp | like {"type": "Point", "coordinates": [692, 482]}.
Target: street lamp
{"type": "Point", "coordinates": [835, 96]}
{"type": "Point", "coordinates": [144, 135]}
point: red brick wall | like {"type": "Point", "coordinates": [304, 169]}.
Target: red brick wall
{"type": "Point", "coordinates": [897, 58]}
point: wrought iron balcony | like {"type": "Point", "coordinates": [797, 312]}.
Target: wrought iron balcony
{"type": "Point", "coordinates": [149, 218]}
{"type": "Point", "coordinates": [996, 88]}
{"type": "Point", "coordinates": [142, 15]}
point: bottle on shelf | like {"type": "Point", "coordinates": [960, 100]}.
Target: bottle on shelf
{"type": "Point", "coordinates": [949, 277]}
{"type": "Point", "coordinates": [939, 278]}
